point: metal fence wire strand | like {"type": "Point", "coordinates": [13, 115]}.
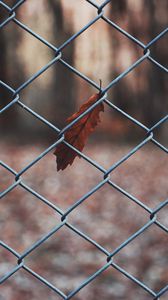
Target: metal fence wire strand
{"type": "Point", "coordinates": [149, 134]}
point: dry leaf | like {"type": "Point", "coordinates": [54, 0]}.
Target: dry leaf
{"type": "Point", "coordinates": [78, 133]}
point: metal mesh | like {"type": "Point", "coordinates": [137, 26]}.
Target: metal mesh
{"type": "Point", "coordinates": [148, 138]}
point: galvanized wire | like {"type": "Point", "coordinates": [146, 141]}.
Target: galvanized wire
{"type": "Point", "coordinates": [148, 138]}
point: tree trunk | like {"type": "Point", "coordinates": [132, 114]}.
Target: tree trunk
{"type": "Point", "coordinates": [63, 83]}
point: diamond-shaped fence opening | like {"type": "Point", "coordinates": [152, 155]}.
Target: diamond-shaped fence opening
{"type": "Point", "coordinates": [108, 267]}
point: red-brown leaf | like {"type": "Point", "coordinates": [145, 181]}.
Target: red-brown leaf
{"type": "Point", "coordinates": [78, 133]}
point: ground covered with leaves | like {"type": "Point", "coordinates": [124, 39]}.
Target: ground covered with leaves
{"type": "Point", "coordinates": [108, 217]}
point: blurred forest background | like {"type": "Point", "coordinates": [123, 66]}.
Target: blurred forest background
{"type": "Point", "coordinates": [99, 53]}
{"type": "Point", "coordinates": [109, 217]}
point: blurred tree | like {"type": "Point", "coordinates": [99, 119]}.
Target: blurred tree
{"type": "Point", "coordinates": [155, 105]}
{"type": "Point", "coordinates": [3, 64]}
{"type": "Point", "coordinates": [145, 96]}
{"type": "Point", "coordinates": [63, 83]}
{"type": "Point", "coordinates": [62, 88]}
{"type": "Point", "coordinates": [12, 72]}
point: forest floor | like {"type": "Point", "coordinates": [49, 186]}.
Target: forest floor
{"type": "Point", "coordinates": [108, 217]}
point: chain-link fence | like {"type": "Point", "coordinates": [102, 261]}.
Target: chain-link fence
{"type": "Point", "coordinates": [149, 137]}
